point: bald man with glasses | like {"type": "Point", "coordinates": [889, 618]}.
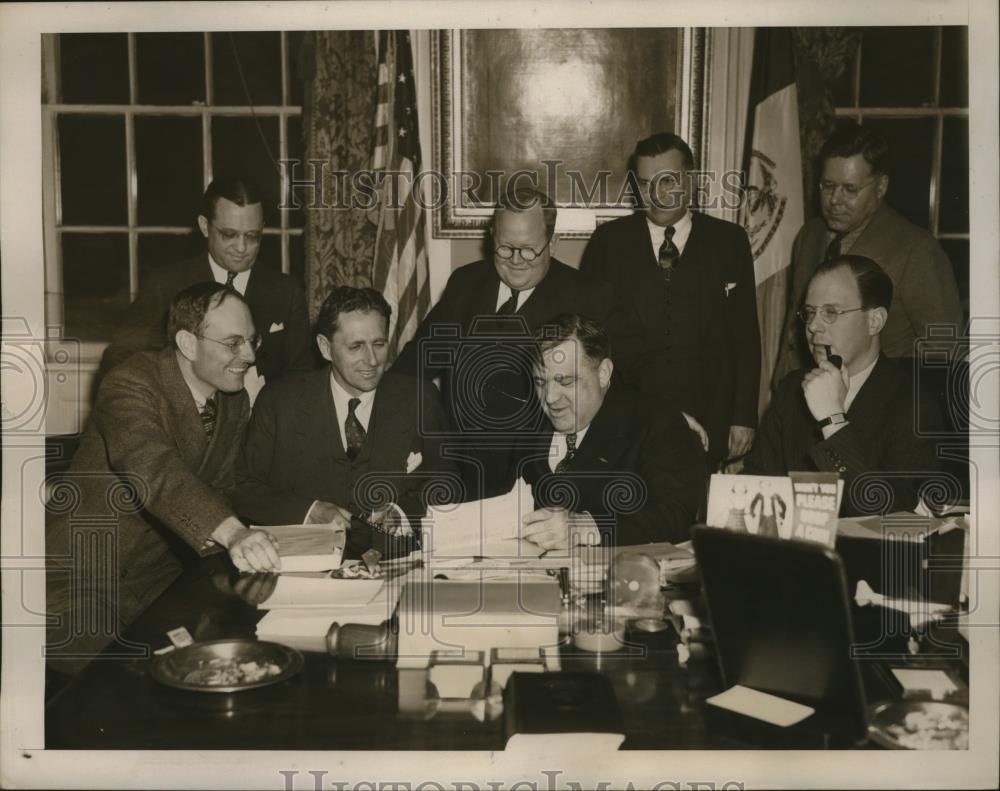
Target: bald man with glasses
{"type": "Point", "coordinates": [852, 412]}
{"type": "Point", "coordinates": [856, 219]}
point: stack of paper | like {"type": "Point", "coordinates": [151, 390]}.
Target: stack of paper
{"type": "Point", "coordinates": [482, 528]}
{"type": "Point", "coordinates": [295, 590]}
{"type": "Point", "coordinates": [308, 547]}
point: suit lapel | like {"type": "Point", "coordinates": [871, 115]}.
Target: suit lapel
{"type": "Point", "coordinates": [318, 415]}
{"type": "Point", "coordinates": [867, 409]}
{"type": "Point", "coordinates": [184, 418]}
{"type": "Point", "coordinates": [607, 438]}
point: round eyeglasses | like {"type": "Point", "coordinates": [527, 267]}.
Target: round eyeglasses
{"type": "Point", "coordinates": [506, 252]}
{"type": "Point", "coordinates": [235, 344]}
{"type": "Point", "coordinates": [829, 313]}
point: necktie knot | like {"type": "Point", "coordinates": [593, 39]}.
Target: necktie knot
{"type": "Point", "coordinates": [352, 405]}
{"type": "Point", "coordinates": [230, 277]}
{"type": "Point", "coordinates": [668, 254]}
{"type": "Point", "coordinates": [570, 453]}
{"type": "Point", "coordinates": [509, 307]}
{"type": "Point", "coordinates": [833, 249]}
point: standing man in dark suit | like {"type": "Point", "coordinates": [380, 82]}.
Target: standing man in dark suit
{"type": "Point", "coordinates": [232, 222]}
{"type": "Point", "coordinates": [685, 327]}
{"type": "Point", "coordinates": [858, 419]}
{"type": "Point", "coordinates": [609, 464]}
{"type": "Point", "coordinates": [153, 473]}
{"type": "Point", "coordinates": [477, 339]}
{"type": "Point", "coordinates": [346, 444]}
{"type": "Point", "coordinates": [855, 219]}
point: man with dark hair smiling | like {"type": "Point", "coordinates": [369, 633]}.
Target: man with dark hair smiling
{"type": "Point", "coordinates": [161, 444]}
{"type": "Point", "coordinates": [855, 218]}
{"type": "Point", "coordinates": [232, 222]}
{"type": "Point", "coordinates": [685, 328]}
{"type": "Point", "coordinates": [853, 413]}
{"type": "Point", "coordinates": [636, 474]}
{"type": "Point", "coordinates": [320, 446]}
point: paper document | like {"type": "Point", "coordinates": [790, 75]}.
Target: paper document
{"type": "Point", "coordinates": [294, 591]}
{"type": "Point", "coordinates": [486, 528]}
{"type": "Point", "coordinates": [761, 706]}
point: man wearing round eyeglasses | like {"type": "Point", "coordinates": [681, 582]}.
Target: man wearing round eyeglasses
{"type": "Point", "coordinates": [153, 471]}
{"type": "Point", "coordinates": [232, 222]}
{"type": "Point", "coordinates": [855, 218]}
{"type": "Point", "coordinates": [853, 413]}
{"type": "Point", "coordinates": [477, 339]}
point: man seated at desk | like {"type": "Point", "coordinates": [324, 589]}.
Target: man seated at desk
{"type": "Point", "coordinates": [856, 419]}
{"type": "Point", "coordinates": [610, 465]}
{"type": "Point", "coordinates": [151, 474]}
{"type": "Point", "coordinates": [323, 447]}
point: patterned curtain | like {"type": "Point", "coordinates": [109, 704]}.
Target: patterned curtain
{"type": "Point", "coordinates": [821, 55]}
{"type": "Point", "coordinates": [339, 69]}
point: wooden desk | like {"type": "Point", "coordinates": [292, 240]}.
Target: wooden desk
{"type": "Point", "coordinates": [350, 705]}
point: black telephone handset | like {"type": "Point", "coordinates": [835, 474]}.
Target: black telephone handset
{"type": "Point", "coordinates": [836, 359]}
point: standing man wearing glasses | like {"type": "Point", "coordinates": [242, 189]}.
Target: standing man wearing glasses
{"type": "Point", "coordinates": [153, 473]}
{"type": "Point", "coordinates": [855, 419]}
{"type": "Point", "coordinates": [855, 219]}
{"type": "Point", "coordinates": [478, 338]}
{"type": "Point", "coordinates": [232, 222]}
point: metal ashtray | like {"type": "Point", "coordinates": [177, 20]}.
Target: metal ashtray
{"type": "Point", "coordinates": [226, 665]}
{"type": "Point", "coordinates": [919, 725]}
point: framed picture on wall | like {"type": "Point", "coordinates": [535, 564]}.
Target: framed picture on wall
{"type": "Point", "coordinates": [558, 109]}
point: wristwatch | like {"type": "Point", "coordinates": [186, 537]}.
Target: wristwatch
{"type": "Point", "coordinates": [835, 419]}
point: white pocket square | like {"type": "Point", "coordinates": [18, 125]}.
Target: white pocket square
{"type": "Point", "coordinates": [276, 327]}
{"type": "Point", "coordinates": [413, 461]}
{"type": "Point", "coordinates": [729, 287]}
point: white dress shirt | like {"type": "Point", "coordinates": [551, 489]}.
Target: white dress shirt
{"type": "Point", "coordinates": [558, 448]}
{"type": "Point", "coordinates": [340, 401]}
{"type": "Point", "coordinates": [682, 230]}
{"type": "Point", "coordinates": [505, 293]}
{"type": "Point", "coordinates": [220, 274]}
{"type": "Point", "coordinates": [855, 384]}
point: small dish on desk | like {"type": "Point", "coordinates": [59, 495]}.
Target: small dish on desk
{"type": "Point", "coordinates": [919, 725]}
{"type": "Point", "coordinates": [226, 665]}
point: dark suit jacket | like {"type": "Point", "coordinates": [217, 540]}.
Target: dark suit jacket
{"type": "Point", "coordinates": [924, 288]}
{"type": "Point", "coordinates": [148, 475]}
{"type": "Point", "coordinates": [274, 299]}
{"type": "Point", "coordinates": [293, 454]}
{"type": "Point", "coordinates": [696, 344]}
{"type": "Point", "coordinates": [880, 438]}
{"type": "Point", "coordinates": [485, 364]}
{"type": "Point", "coordinates": [639, 471]}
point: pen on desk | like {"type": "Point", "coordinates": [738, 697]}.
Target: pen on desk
{"type": "Point", "coordinates": [564, 584]}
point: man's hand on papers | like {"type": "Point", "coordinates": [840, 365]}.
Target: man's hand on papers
{"type": "Point", "coordinates": [250, 550]}
{"type": "Point", "coordinates": [324, 513]}
{"type": "Point", "coordinates": [552, 528]}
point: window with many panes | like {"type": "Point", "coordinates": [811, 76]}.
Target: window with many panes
{"type": "Point", "coordinates": [912, 84]}
{"type": "Point", "coordinates": [136, 125]}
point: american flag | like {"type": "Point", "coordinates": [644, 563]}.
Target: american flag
{"type": "Point", "coordinates": [400, 269]}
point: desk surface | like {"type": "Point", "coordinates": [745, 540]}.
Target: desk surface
{"type": "Point", "coordinates": [350, 705]}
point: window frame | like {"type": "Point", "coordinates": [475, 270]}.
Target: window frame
{"type": "Point", "coordinates": [52, 107]}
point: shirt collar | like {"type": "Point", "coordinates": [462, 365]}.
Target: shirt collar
{"type": "Point", "coordinates": [856, 383]}
{"type": "Point", "coordinates": [682, 230]}
{"type": "Point", "coordinates": [220, 274]}
{"type": "Point", "coordinates": [341, 397]}
{"type": "Point", "coordinates": [505, 291]}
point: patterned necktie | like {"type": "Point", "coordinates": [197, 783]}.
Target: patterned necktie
{"type": "Point", "coordinates": [669, 254]}
{"type": "Point", "coordinates": [833, 249]}
{"type": "Point", "coordinates": [509, 308]}
{"type": "Point", "coordinates": [230, 277]}
{"type": "Point", "coordinates": [353, 430]}
{"type": "Point", "coordinates": [208, 412]}
{"type": "Point", "coordinates": [570, 453]}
